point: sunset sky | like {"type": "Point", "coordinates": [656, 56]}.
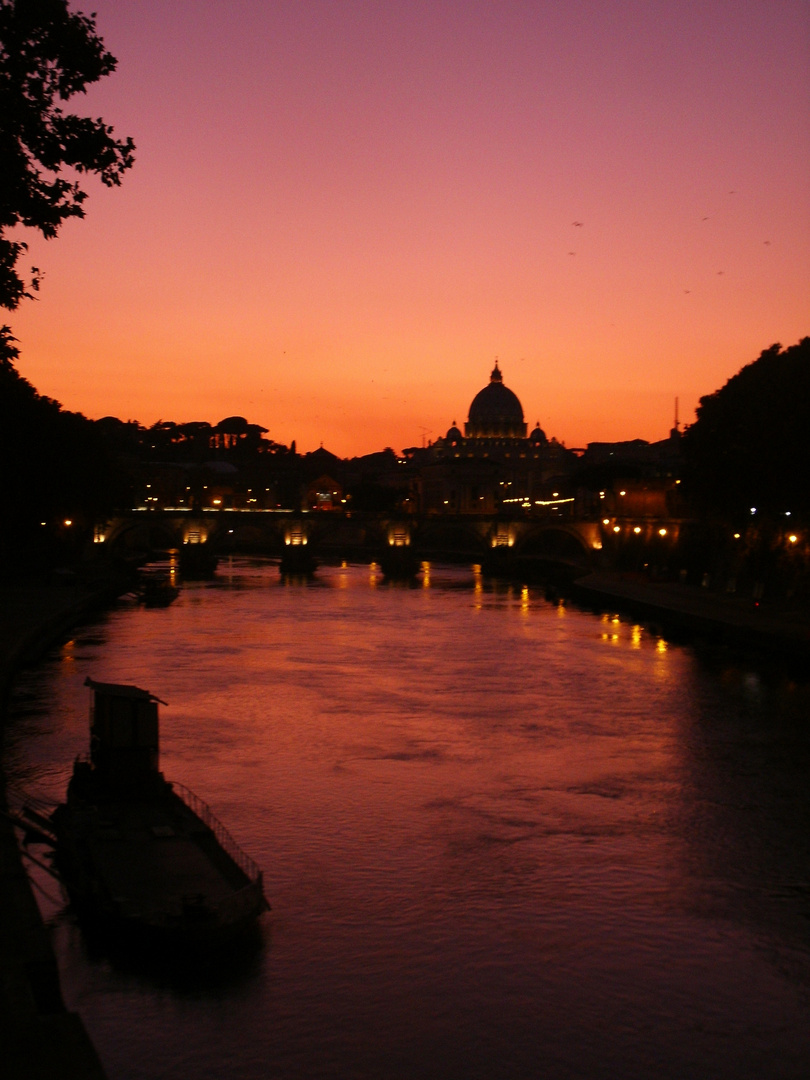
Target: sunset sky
{"type": "Point", "coordinates": [342, 211]}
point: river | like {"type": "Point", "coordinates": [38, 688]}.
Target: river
{"type": "Point", "coordinates": [502, 837]}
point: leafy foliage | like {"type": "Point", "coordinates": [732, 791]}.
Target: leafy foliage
{"type": "Point", "coordinates": [47, 54]}
{"type": "Point", "coordinates": [749, 446]}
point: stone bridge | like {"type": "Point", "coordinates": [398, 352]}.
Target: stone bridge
{"type": "Point", "coordinates": [357, 534]}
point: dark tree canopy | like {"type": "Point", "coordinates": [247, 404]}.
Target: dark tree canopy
{"type": "Point", "coordinates": [53, 464]}
{"type": "Point", "coordinates": [47, 54]}
{"type": "Point", "coordinates": [750, 444]}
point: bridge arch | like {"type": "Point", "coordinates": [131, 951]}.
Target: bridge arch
{"type": "Point", "coordinates": [558, 543]}
{"type": "Point", "coordinates": [450, 538]}
{"type": "Point", "coordinates": [134, 536]}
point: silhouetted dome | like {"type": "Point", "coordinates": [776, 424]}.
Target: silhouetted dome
{"type": "Point", "coordinates": [495, 412]}
{"type": "Point", "coordinates": [538, 436]}
{"type": "Point", "coordinates": [453, 436]}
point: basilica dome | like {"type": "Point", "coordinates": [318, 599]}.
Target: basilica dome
{"type": "Point", "coordinates": [495, 412]}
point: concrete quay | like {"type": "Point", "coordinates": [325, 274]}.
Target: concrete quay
{"type": "Point", "coordinates": [39, 1038]}
{"type": "Point", "coordinates": [766, 628]}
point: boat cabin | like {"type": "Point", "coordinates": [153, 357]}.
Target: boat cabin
{"type": "Point", "coordinates": [123, 732]}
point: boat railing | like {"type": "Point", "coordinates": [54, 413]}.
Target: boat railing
{"type": "Point", "coordinates": [242, 904]}
{"type": "Point", "coordinates": [207, 816]}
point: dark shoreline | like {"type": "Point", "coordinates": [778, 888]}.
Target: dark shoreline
{"type": "Point", "coordinates": [760, 631]}
{"type": "Point", "coordinates": [40, 1039]}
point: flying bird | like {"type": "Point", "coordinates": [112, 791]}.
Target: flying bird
{"type": "Point", "coordinates": [577, 224]}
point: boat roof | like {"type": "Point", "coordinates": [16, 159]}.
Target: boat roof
{"type": "Point", "coordinates": [122, 690]}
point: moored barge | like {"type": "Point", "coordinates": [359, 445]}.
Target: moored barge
{"type": "Point", "coordinates": [142, 858]}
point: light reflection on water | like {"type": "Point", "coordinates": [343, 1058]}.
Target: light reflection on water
{"type": "Point", "coordinates": [501, 837]}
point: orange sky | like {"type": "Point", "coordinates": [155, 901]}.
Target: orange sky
{"type": "Point", "coordinates": [342, 210]}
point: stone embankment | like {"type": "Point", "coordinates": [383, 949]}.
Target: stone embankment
{"type": "Point", "coordinates": [764, 627]}
{"type": "Point", "coordinates": [39, 1038]}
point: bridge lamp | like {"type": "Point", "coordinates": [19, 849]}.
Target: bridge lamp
{"type": "Point", "coordinates": [622, 492]}
{"type": "Point", "coordinates": [637, 530]}
{"type": "Point", "coordinates": [736, 536]}
{"type": "Point", "coordinates": [616, 529]}
{"type": "Point", "coordinates": [68, 522]}
{"type": "Point", "coordinates": [662, 532]}
{"type": "Point", "coordinates": [605, 521]}
{"type": "Point", "coordinates": [793, 538]}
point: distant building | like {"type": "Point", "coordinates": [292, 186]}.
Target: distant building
{"type": "Point", "coordinates": [494, 465]}
{"type": "Point", "coordinates": [648, 459]}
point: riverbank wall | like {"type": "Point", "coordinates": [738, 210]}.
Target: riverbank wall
{"type": "Point", "coordinates": [686, 611]}
{"type": "Point", "coordinates": [39, 1038]}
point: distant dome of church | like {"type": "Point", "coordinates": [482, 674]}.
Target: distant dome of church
{"type": "Point", "coordinates": [453, 435]}
{"type": "Point", "coordinates": [538, 436]}
{"type": "Point", "coordinates": [495, 412]}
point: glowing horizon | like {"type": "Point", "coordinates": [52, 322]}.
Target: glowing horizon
{"type": "Point", "coordinates": [341, 213]}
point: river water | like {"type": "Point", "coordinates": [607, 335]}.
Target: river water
{"type": "Point", "coordinates": [502, 837]}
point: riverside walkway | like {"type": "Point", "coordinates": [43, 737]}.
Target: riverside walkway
{"type": "Point", "coordinates": [768, 627]}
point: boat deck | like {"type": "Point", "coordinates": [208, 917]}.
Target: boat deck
{"type": "Point", "coordinates": [153, 857]}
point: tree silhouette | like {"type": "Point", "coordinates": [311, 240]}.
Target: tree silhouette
{"type": "Point", "coordinates": [749, 446]}
{"type": "Point", "coordinates": [54, 465]}
{"type": "Point", "coordinates": [47, 55]}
